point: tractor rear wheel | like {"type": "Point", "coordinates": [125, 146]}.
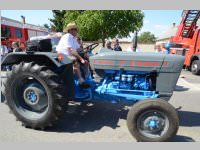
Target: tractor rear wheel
{"type": "Point", "coordinates": [195, 67]}
{"type": "Point", "coordinates": [153, 120]}
{"type": "Point", "coordinates": [34, 95]}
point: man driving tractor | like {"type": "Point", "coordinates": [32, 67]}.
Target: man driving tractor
{"type": "Point", "coordinates": [68, 47]}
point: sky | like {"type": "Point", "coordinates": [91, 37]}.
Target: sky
{"type": "Point", "coordinates": [155, 21]}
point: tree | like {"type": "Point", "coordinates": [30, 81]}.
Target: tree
{"type": "Point", "coordinates": [102, 24]}
{"type": "Point", "coordinates": [57, 21]}
{"type": "Point", "coordinates": [147, 38]}
{"type": "Point", "coordinates": [46, 26]}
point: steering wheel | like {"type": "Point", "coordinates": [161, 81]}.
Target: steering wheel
{"type": "Point", "coordinates": [88, 49]}
{"type": "Point", "coordinates": [91, 47]}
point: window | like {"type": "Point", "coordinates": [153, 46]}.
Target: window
{"type": "Point", "coordinates": [198, 43]}
{"type": "Point", "coordinates": [5, 32]}
{"type": "Point", "coordinates": [31, 33]}
{"type": "Point", "coordinates": [54, 42]}
{"type": "Point", "coordinates": [18, 33]}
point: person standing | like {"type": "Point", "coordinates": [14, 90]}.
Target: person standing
{"type": "Point", "coordinates": [16, 48]}
{"type": "Point", "coordinates": [84, 54]}
{"type": "Point", "coordinates": [80, 43]}
{"type": "Point", "coordinates": [9, 47]}
{"type": "Point", "coordinates": [164, 50]}
{"type": "Point", "coordinates": [116, 45]}
{"type": "Point", "coordinates": [168, 46]}
{"type": "Point", "coordinates": [108, 45]}
{"type": "Point", "coordinates": [158, 49]}
{"type": "Point", "coordinates": [4, 51]}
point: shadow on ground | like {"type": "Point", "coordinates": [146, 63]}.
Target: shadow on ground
{"type": "Point", "coordinates": [94, 116]}
{"type": "Point", "coordinates": [189, 119]}
{"type": "Point", "coordinates": [90, 117]}
{"type": "Point", "coordinates": [181, 88]}
{"type": "Point", "coordinates": [2, 98]}
{"type": "Point", "coordinates": [180, 138]}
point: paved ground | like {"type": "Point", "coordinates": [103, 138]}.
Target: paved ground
{"type": "Point", "coordinates": [106, 122]}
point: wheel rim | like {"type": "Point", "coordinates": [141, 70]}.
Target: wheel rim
{"type": "Point", "coordinates": [153, 124]}
{"type": "Point", "coordinates": [30, 97]}
{"type": "Point", "coordinates": [194, 67]}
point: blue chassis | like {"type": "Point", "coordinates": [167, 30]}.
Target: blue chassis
{"type": "Point", "coordinates": [102, 92]}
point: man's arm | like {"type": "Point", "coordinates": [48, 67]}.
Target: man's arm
{"type": "Point", "coordinates": [68, 44]}
{"type": "Point", "coordinates": [75, 53]}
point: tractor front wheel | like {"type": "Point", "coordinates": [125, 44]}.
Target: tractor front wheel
{"type": "Point", "coordinates": [153, 120]}
{"type": "Point", "coordinates": [34, 95]}
{"type": "Point", "coordinates": [195, 67]}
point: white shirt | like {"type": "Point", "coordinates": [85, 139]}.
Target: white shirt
{"type": "Point", "coordinates": [131, 50]}
{"type": "Point", "coordinates": [4, 50]}
{"type": "Point", "coordinates": [67, 41]}
{"type": "Point", "coordinates": [162, 52]}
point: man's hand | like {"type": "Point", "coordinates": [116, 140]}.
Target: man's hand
{"type": "Point", "coordinates": [74, 53]}
{"type": "Point", "coordinates": [82, 61]}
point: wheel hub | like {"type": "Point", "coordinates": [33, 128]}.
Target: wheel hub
{"type": "Point", "coordinates": [31, 96]}
{"type": "Point", "coordinates": [194, 67]}
{"type": "Point", "coordinates": [34, 96]}
{"type": "Point", "coordinates": [153, 124]}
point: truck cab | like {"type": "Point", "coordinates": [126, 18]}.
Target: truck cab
{"type": "Point", "coordinates": [186, 42]}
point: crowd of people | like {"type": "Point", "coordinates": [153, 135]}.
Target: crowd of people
{"type": "Point", "coordinates": [115, 43]}
{"type": "Point", "coordinates": [14, 47]}
{"type": "Point", "coordinates": [162, 48]}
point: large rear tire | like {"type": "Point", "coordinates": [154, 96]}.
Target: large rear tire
{"type": "Point", "coordinates": [153, 120]}
{"type": "Point", "coordinates": [195, 67]}
{"type": "Point", "coordinates": [35, 95]}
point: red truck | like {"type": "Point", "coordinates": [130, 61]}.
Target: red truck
{"type": "Point", "coordinates": [16, 31]}
{"type": "Point", "coordinates": [186, 42]}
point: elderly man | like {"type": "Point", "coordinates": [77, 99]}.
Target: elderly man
{"type": "Point", "coordinates": [68, 47]}
{"type": "Point", "coordinates": [108, 45]}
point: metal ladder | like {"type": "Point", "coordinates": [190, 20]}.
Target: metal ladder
{"type": "Point", "coordinates": [190, 19]}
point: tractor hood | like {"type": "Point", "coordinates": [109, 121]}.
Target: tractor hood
{"type": "Point", "coordinates": [137, 61]}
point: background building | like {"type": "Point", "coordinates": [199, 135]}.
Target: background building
{"type": "Point", "coordinates": [165, 37]}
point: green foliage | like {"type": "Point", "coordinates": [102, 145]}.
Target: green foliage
{"type": "Point", "coordinates": [147, 38]}
{"type": "Point", "coordinates": [102, 24]}
{"type": "Point", "coordinates": [57, 21]}
{"type": "Point", "coordinates": [46, 26]}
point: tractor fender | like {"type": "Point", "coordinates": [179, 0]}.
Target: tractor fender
{"type": "Point", "coordinates": [46, 59]}
{"type": "Point", "coordinates": [42, 58]}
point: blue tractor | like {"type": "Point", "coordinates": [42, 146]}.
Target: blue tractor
{"type": "Point", "coordinates": [39, 87]}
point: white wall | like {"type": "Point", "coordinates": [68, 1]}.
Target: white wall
{"type": "Point", "coordinates": [126, 45]}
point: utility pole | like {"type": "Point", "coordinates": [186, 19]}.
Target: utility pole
{"type": "Point", "coordinates": [134, 41]}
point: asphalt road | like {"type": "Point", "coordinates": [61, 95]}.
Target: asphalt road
{"type": "Point", "coordinates": [105, 122]}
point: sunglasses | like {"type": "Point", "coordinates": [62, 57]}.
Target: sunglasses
{"type": "Point", "coordinates": [74, 29]}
